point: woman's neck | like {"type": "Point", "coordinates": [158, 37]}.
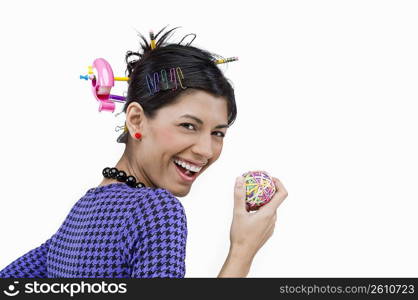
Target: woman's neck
{"type": "Point", "coordinates": [124, 165]}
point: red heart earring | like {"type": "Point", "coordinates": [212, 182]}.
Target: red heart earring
{"type": "Point", "coordinates": [138, 135]}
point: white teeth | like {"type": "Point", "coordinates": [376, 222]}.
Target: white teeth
{"type": "Point", "coordinates": [188, 166]}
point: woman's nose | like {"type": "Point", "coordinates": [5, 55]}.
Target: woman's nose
{"type": "Point", "coordinates": [203, 147]}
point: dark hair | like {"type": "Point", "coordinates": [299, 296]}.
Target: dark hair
{"type": "Point", "coordinates": [197, 65]}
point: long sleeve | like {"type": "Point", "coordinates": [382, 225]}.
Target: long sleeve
{"type": "Point", "coordinates": [30, 265]}
{"type": "Point", "coordinates": [159, 246]}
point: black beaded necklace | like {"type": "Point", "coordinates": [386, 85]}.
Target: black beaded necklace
{"type": "Point", "coordinates": [122, 177]}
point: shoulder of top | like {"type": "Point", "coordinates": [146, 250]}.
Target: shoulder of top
{"type": "Point", "coordinates": [157, 204]}
{"type": "Point", "coordinates": [154, 191]}
{"type": "Point", "coordinates": [159, 196]}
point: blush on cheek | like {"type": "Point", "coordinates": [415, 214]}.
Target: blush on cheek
{"type": "Point", "coordinates": [167, 137]}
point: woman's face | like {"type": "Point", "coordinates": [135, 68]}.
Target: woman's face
{"type": "Point", "coordinates": [190, 130]}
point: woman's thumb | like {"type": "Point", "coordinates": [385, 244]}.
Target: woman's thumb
{"type": "Point", "coordinates": [239, 194]}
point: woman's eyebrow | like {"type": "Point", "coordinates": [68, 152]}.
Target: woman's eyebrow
{"type": "Point", "coordinates": [201, 122]}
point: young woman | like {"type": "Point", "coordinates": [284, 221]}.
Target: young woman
{"type": "Point", "coordinates": [132, 224]}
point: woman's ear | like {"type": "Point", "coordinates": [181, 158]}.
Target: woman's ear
{"type": "Point", "coordinates": [135, 118]}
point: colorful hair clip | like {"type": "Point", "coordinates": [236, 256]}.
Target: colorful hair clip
{"type": "Point", "coordinates": [124, 128]}
{"type": "Point", "coordinates": [164, 79]}
{"type": "Point", "coordinates": [182, 77]}
{"type": "Point", "coordinates": [150, 84]}
{"type": "Point", "coordinates": [173, 78]}
{"type": "Point", "coordinates": [158, 81]}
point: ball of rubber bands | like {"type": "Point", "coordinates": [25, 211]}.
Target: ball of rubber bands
{"type": "Point", "coordinates": [260, 189]}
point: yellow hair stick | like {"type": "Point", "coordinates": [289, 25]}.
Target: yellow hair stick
{"type": "Point", "coordinates": [121, 78]}
{"type": "Point", "coordinates": [225, 60]}
{"type": "Point", "coordinates": [152, 38]}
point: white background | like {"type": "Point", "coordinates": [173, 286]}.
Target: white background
{"type": "Point", "coordinates": [327, 97]}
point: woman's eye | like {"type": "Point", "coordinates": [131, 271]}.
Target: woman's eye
{"type": "Point", "coordinates": [221, 134]}
{"type": "Point", "coordinates": [187, 125]}
{"type": "Point", "coordinates": [190, 126]}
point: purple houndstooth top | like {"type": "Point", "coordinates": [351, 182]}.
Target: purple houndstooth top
{"type": "Point", "coordinates": [113, 231]}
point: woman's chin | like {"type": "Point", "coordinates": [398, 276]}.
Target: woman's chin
{"type": "Point", "coordinates": [179, 192]}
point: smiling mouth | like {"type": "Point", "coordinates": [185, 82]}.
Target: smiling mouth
{"type": "Point", "coordinates": [186, 174]}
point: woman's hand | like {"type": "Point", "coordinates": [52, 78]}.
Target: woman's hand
{"type": "Point", "coordinates": [250, 231]}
